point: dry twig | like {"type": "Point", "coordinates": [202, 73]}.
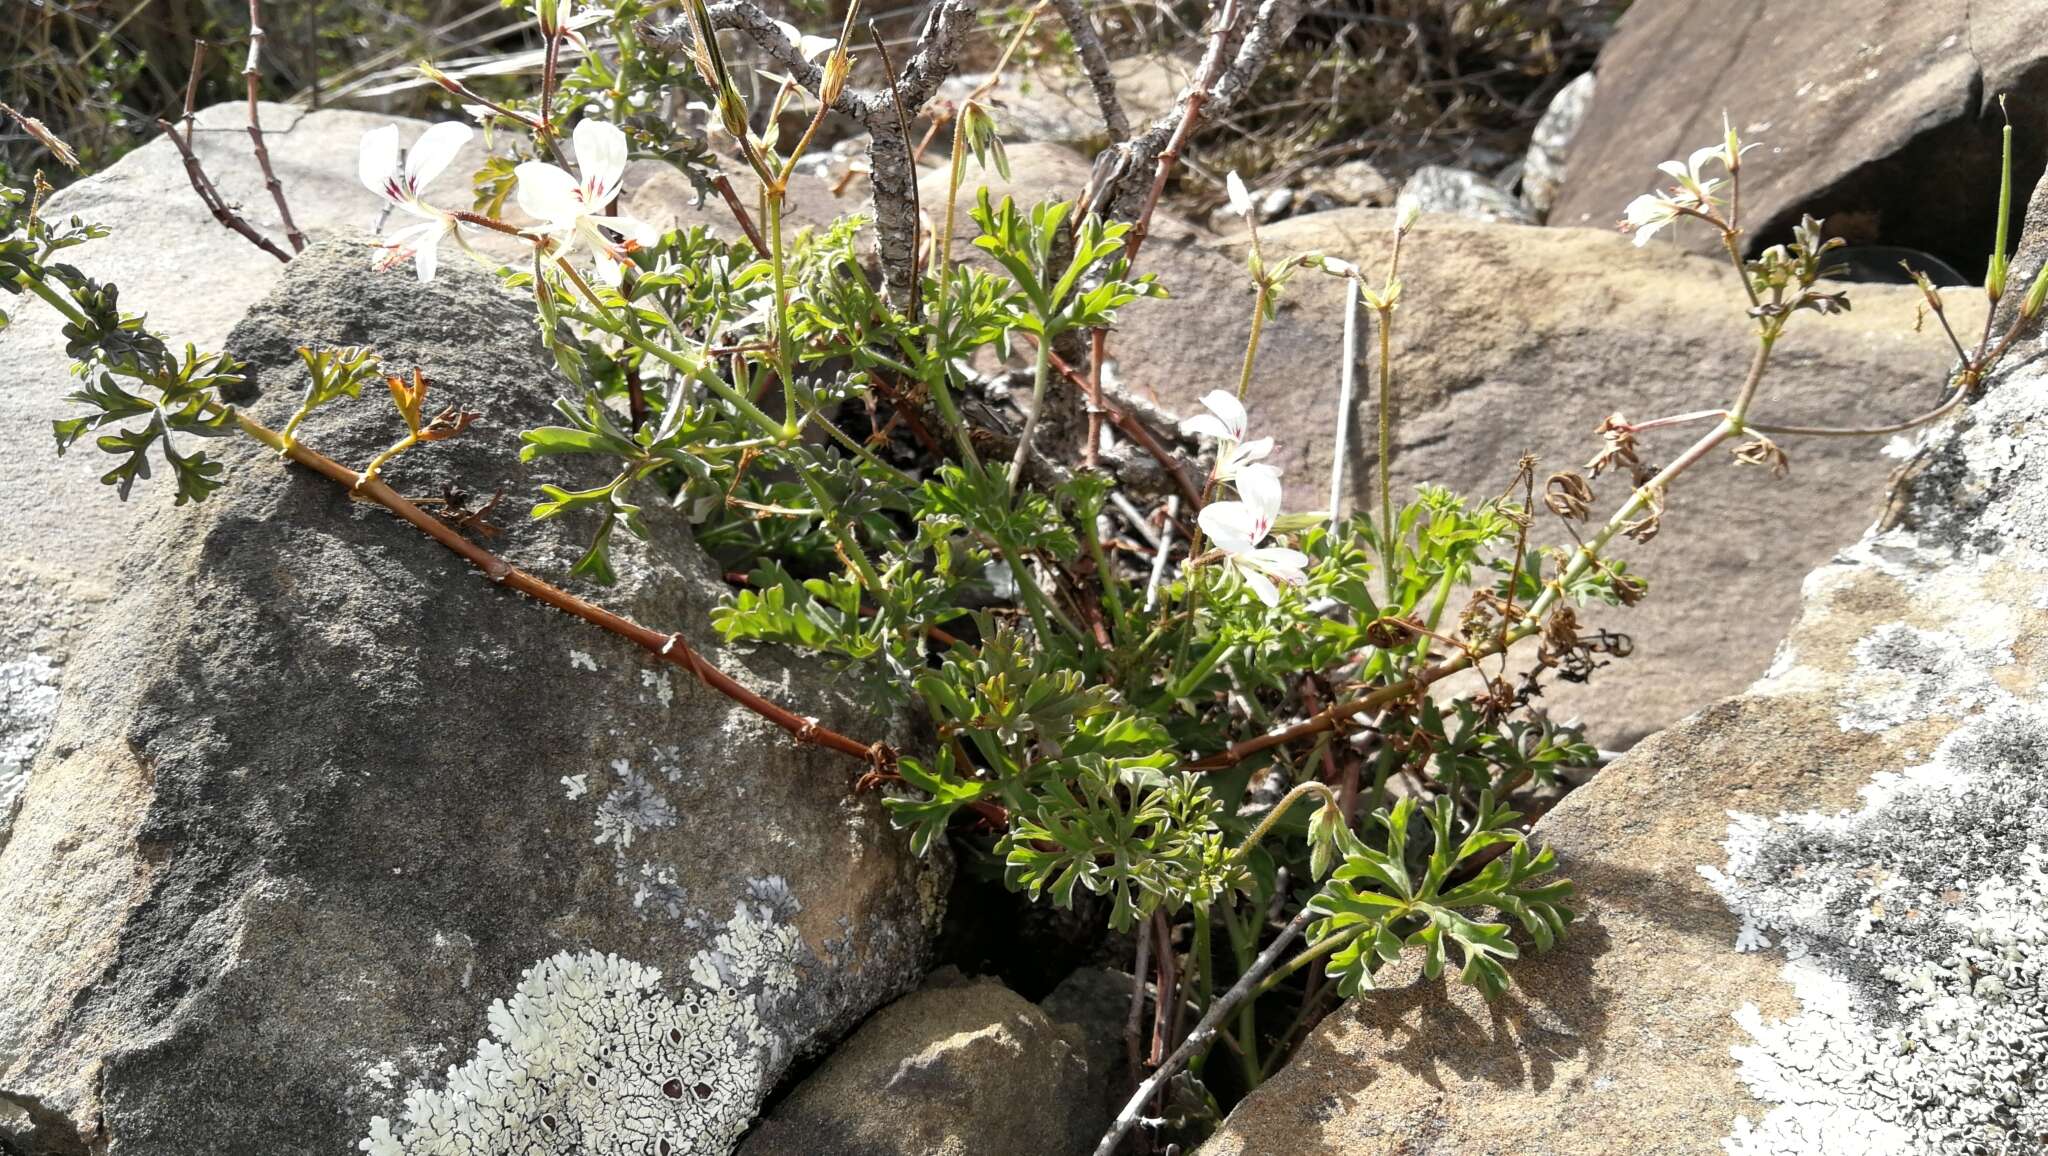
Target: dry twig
{"type": "Point", "coordinates": [270, 181]}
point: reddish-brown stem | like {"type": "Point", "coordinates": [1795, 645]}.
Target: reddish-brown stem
{"type": "Point", "coordinates": [670, 648]}
{"type": "Point", "coordinates": [548, 77]}
{"type": "Point", "coordinates": [192, 84]}
{"type": "Point", "coordinates": [636, 396]}
{"type": "Point", "coordinates": [270, 181]}
{"type": "Point", "coordinates": [1212, 66]}
{"type": "Point", "coordinates": [1136, 431]}
{"type": "Point", "coordinates": [492, 223]}
{"type": "Point", "coordinates": [739, 213]}
{"type": "Point", "coordinates": [1134, 1057]}
{"type": "Point", "coordinates": [211, 198]}
{"type": "Point", "coordinates": [1096, 339]}
{"type": "Point", "coordinates": [1167, 988]}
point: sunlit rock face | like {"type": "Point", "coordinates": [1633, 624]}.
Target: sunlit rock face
{"type": "Point", "coordinates": [1812, 916]}
{"type": "Point", "coordinates": [338, 843]}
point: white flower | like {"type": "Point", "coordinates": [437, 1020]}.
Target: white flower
{"type": "Point", "coordinates": [808, 47]}
{"type": "Point", "coordinates": [1237, 459]}
{"type": "Point", "coordinates": [1238, 528]}
{"type": "Point", "coordinates": [1693, 192]}
{"type": "Point", "coordinates": [382, 175]}
{"type": "Point", "coordinates": [1240, 199]}
{"type": "Point", "coordinates": [1646, 215]}
{"type": "Point", "coordinates": [1688, 175]}
{"type": "Point", "coordinates": [572, 211]}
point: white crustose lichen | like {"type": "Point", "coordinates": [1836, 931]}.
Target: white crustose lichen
{"type": "Point", "coordinates": [594, 1055]}
{"type": "Point", "coordinates": [1916, 934]}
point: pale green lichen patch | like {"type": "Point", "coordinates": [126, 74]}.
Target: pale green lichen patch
{"type": "Point", "coordinates": [594, 1055]}
{"type": "Point", "coordinates": [1916, 935]}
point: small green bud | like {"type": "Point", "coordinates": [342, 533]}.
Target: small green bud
{"type": "Point", "coordinates": [441, 78]}
{"type": "Point", "coordinates": [2037, 295]}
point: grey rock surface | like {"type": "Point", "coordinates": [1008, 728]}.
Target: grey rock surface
{"type": "Point", "coordinates": [1355, 182]}
{"type": "Point", "coordinates": [335, 841]}
{"type": "Point", "coordinates": [960, 1068]}
{"type": "Point", "coordinates": [1511, 339]}
{"type": "Point", "coordinates": [195, 280]}
{"type": "Point", "coordinates": [1812, 916]}
{"type": "Point", "coordinates": [1550, 144]}
{"type": "Point", "coordinates": [1463, 193]}
{"type": "Point", "coordinates": [1881, 116]}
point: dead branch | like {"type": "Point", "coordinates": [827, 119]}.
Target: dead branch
{"type": "Point", "coordinates": [211, 198]}
{"type": "Point", "coordinates": [892, 173]}
{"type": "Point", "coordinates": [1217, 89]}
{"type": "Point", "coordinates": [1095, 63]}
{"type": "Point", "coordinates": [270, 181]}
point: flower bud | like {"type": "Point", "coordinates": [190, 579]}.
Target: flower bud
{"type": "Point", "coordinates": [550, 14]}
{"type": "Point", "coordinates": [2037, 295]}
{"type": "Point", "coordinates": [1407, 211]}
{"type": "Point", "coordinates": [441, 78]}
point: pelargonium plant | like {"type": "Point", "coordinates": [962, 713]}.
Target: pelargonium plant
{"type": "Point", "coordinates": [1128, 680]}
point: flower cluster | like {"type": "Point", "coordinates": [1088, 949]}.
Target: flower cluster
{"type": "Point", "coordinates": [566, 210]}
{"type": "Point", "coordinates": [1692, 194]}
{"type": "Point", "coordinates": [1239, 529]}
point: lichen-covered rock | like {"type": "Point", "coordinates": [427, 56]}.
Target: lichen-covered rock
{"type": "Point", "coordinates": [961, 1068]}
{"type": "Point", "coordinates": [1557, 329]}
{"type": "Point", "coordinates": [336, 843]}
{"type": "Point", "coordinates": [1813, 917]}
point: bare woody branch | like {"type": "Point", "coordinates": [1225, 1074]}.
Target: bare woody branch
{"type": "Point", "coordinates": [892, 171]}
{"type": "Point", "coordinates": [1234, 58]}
{"type": "Point", "coordinates": [211, 198]}
{"type": "Point", "coordinates": [270, 181]}
{"type": "Point", "coordinates": [1095, 63]}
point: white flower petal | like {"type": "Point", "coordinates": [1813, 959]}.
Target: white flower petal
{"type": "Point", "coordinates": [1701, 156]}
{"type": "Point", "coordinates": [420, 242]}
{"type": "Point", "coordinates": [1224, 405]}
{"type": "Point", "coordinates": [427, 258]}
{"type": "Point", "coordinates": [378, 159]}
{"type": "Point", "coordinates": [547, 194]}
{"type": "Point", "coordinates": [1285, 565]}
{"type": "Point", "coordinates": [1255, 449]}
{"type": "Point", "coordinates": [601, 154]}
{"type": "Point", "coordinates": [1204, 425]}
{"type": "Point", "coordinates": [1261, 586]}
{"type": "Point", "coordinates": [1257, 474]}
{"type": "Point", "coordinates": [631, 228]}
{"type": "Point", "coordinates": [1240, 198]}
{"type": "Point", "coordinates": [812, 47]}
{"type": "Point", "coordinates": [1228, 525]}
{"type": "Point", "coordinates": [1261, 493]}
{"type": "Point", "coordinates": [431, 153]}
